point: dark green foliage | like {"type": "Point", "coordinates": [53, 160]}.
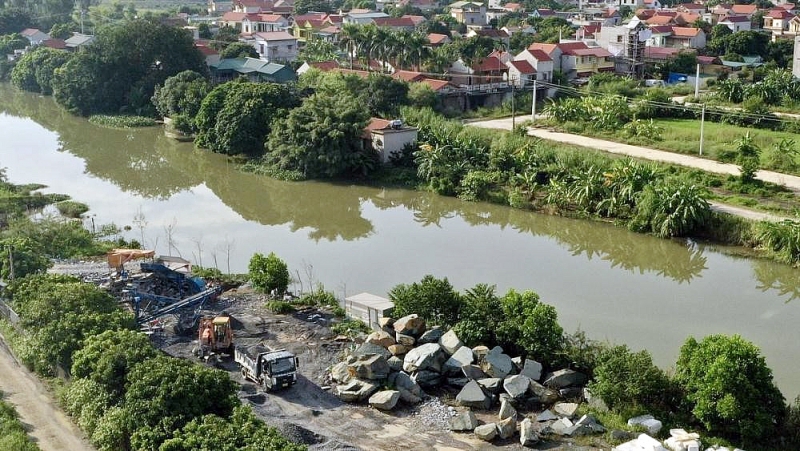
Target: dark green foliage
{"type": "Point", "coordinates": [34, 70]}
{"type": "Point", "coordinates": [238, 50]}
{"type": "Point", "coordinates": [181, 94]}
{"type": "Point", "coordinates": [11, 42]}
{"type": "Point", "coordinates": [351, 327]}
{"type": "Point", "coordinates": [121, 120]}
{"type": "Point", "coordinates": [14, 20]}
{"type": "Point", "coordinates": [480, 316]}
{"type": "Point", "coordinates": [730, 388]}
{"type": "Point", "coordinates": [268, 274]}
{"type": "Point", "coordinates": [322, 138]}
{"type": "Point", "coordinates": [671, 209]}
{"type": "Point", "coordinates": [163, 394]}
{"type": "Point", "coordinates": [431, 298]}
{"type": "Point", "coordinates": [747, 157]}
{"type": "Point", "coordinates": [71, 209]}
{"type": "Point", "coordinates": [13, 436]}
{"type": "Point", "coordinates": [304, 6]}
{"type": "Point", "coordinates": [57, 238]}
{"type": "Point", "coordinates": [280, 307]}
{"type": "Point", "coordinates": [86, 401]}
{"type": "Point", "coordinates": [27, 257]}
{"type": "Point", "coordinates": [531, 327]}
{"type": "Point", "coordinates": [236, 117]}
{"type": "Point", "coordinates": [60, 313]}
{"type": "Point", "coordinates": [122, 68]}
{"type": "Point", "coordinates": [241, 432]}
{"type": "Point", "coordinates": [629, 381]}
{"type": "Point", "coordinates": [107, 358]}
{"type": "Point", "coordinates": [780, 238]}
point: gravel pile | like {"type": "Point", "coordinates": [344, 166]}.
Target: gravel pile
{"type": "Point", "coordinates": [434, 414]}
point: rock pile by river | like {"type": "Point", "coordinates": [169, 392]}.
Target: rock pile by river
{"type": "Point", "coordinates": [399, 363]}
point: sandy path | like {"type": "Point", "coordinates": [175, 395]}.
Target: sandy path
{"type": "Point", "coordinates": [45, 421]}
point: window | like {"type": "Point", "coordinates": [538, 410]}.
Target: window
{"type": "Point", "coordinates": [619, 38]}
{"type": "Point", "coordinates": [289, 48]}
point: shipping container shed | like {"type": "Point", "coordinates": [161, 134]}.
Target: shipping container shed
{"type": "Point", "coordinates": [368, 308]}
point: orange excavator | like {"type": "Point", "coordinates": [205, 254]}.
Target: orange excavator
{"type": "Point", "coordinates": [215, 336]}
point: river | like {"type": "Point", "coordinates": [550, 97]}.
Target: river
{"type": "Point", "coordinates": [613, 284]}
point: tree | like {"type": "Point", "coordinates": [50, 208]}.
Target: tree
{"type": "Point", "coordinates": [120, 71]}
{"type": "Point", "coordinates": [480, 316]}
{"type": "Point", "coordinates": [242, 431]}
{"type": "Point", "coordinates": [317, 50]}
{"type": "Point", "coordinates": [305, 6]}
{"type": "Point", "coordinates": [421, 95]}
{"type": "Point", "coordinates": [61, 30]}
{"type": "Point", "coordinates": [238, 50]}
{"type": "Point", "coordinates": [107, 358]}
{"type": "Point", "coordinates": [531, 327]}
{"type": "Point", "coordinates": [14, 20]}
{"type": "Point", "coordinates": [11, 42]}
{"type": "Point", "coordinates": [182, 93]}
{"type": "Point", "coordinates": [24, 254]}
{"type": "Point", "coordinates": [236, 118]}
{"type": "Point", "coordinates": [163, 394]}
{"type": "Point", "coordinates": [431, 298]}
{"type": "Point", "coordinates": [322, 138]}
{"type": "Point", "coordinates": [204, 31]}
{"type": "Point", "coordinates": [385, 95]}
{"type": "Point", "coordinates": [225, 35]}
{"type": "Point", "coordinates": [781, 52]}
{"type": "Point", "coordinates": [34, 70]}
{"type": "Point", "coordinates": [86, 401]}
{"type": "Point", "coordinates": [268, 274]}
{"type": "Point", "coordinates": [747, 43]}
{"type": "Point", "coordinates": [730, 387]}
{"type": "Point", "coordinates": [747, 157]}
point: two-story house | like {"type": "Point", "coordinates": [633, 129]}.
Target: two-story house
{"type": "Point", "coordinates": [275, 46]}
{"type": "Point", "coordinates": [686, 38]}
{"type": "Point", "coordinates": [736, 23]}
{"type": "Point", "coordinates": [777, 22]}
{"type": "Point", "coordinates": [540, 61]}
{"type": "Point", "coordinates": [469, 13]}
{"type": "Point", "coordinates": [579, 60]}
{"type": "Point", "coordinates": [552, 51]}
{"type": "Point", "coordinates": [520, 73]}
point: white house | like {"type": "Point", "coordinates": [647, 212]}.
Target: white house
{"type": "Point", "coordinates": [469, 13]}
{"type": "Point", "coordinates": [256, 23]}
{"type": "Point", "coordinates": [389, 137]}
{"type": "Point", "coordinates": [540, 61]}
{"type": "Point", "coordinates": [520, 73]}
{"type": "Point", "coordinates": [736, 23]}
{"type": "Point", "coordinates": [363, 18]}
{"type": "Point", "coordinates": [34, 35]}
{"type": "Point", "coordinates": [275, 46]}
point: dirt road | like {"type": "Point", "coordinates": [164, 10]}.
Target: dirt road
{"type": "Point", "coordinates": [789, 181]}
{"type": "Point", "coordinates": [45, 421]}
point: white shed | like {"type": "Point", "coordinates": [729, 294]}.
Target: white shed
{"type": "Point", "coordinates": [368, 308]}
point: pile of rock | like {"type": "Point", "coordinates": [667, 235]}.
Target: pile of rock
{"type": "Point", "coordinates": [409, 358]}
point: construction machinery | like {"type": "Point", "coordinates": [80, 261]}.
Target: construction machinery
{"type": "Point", "coordinates": [269, 368]}
{"type": "Point", "coordinates": [215, 335]}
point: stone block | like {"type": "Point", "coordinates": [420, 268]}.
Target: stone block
{"type": "Point", "coordinates": [450, 342]}
{"type": "Point", "coordinates": [516, 386]}
{"type": "Point", "coordinates": [506, 410]}
{"type": "Point", "coordinates": [506, 428]}
{"type": "Point", "coordinates": [486, 432]}
{"type": "Point", "coordinates": [565, 378]}
{"type": "Point", "coordinates": [356, 390]}
{"type": "Point", "coordinates": [405, 340]}
{"type": "Point", "coordinates": [465, 421]}
{"type": "Point", "coordinates": [463, 356]}
{"type": "Point", "coordinates": [380, 338]}
{"type": "Point", "coordinates": [371, 367]}
{"type": "Point", "coordinates": [532, 369]}
{"type": "Point", "coordinates": [423, 357]}
{"type": "Point", "coordinates": [410, 325]}
{"type": "Point", "coordinates": [427, 378]}
{"type": "Point", "coordinates": [546, 415]}
{"type": "Point", "coordinates": [398, 349]}
{"type": "Point", "coordinates": [565, 409]}
{"type": "Point", "coordinates": [648, 421]}
{"type": "Point", "coordinates": [431, 335]}
{"type": "Point", "coordinates": [395, 363]}
{"type": "Point", "coordinates": [341, 373]}
{"type": "Point", "coordinates": [384, 400]}
{"type": "Point", "coordinates": [528, 436]}
{"type": "Point", "coordinates": [473, 372]}
{"type": "Point", "coordinates": [385, 321]}
{"type": "Point", "coordinates": [472, 395]}
{"type": "Point", "coordinates": [497, 364]}
{"type": "Point", "coordinates": [491, 384]}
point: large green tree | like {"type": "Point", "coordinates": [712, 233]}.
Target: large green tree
{"type": "Point", "coordinates": [268, 273]}
{"type": "Point", "coordinates": [238, 50]}
{"type": "Point", "coordinates": [122, 68]}
{"type": "Point", "coordinates": [34, 71]}
{"type": "Point", "coordinates": [322, 138]}
{"type": "Point", "coordinates": [730, 388]}
{"type": "Point", "coordinates": [236, 118]}
{"type": "Point", "coordinates": [181, 94]}
{"type": "Point", "coordinates": [431, 298]}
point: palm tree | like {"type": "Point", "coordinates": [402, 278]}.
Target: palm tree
{"type": "Point", "coordinates": [350, 40]}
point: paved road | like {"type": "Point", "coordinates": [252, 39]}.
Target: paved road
{"type": "Point", "coordinates": [45, 421]}
{"type": "Point", "coordinates": [789, 181]}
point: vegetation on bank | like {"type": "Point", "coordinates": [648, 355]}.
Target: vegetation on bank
{"type": "Point", "coordinates": [121, 121]}
{"type": "Point", "coordinates": [12, 433]}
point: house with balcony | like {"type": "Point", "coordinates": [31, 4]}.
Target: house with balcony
{"type": "Point", "coordinates": [686, 38]}
{"type": "Point", "coordinates": [777, 23]}
{"type": "Point", "coordinates": [580, 61]}
{"type": "Point", "coordinates": [275, 46]}
{"type": "Point", "coordinates": [486, 74]}
{"type": "Point", "coordinates": [469, 13]}
{"type": "Point", "coordinates": [306, 26]}
{"type": "Point", "coordinates": [257, 23]}
{"type": "Point", "coordinates": [658, 36]}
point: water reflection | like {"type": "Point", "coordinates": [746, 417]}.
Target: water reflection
{"type": "Point", "coordinates": [777, 278]}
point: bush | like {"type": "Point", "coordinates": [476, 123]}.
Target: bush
{"type": "Point", "coordinates": [433, 299]}
{"type": "Point", "coordinates": [531, 327]}
{"type": "Point", "coordinates": [646, 130]}
{"type": "Point", "coordinates": [280, 307]}
{"type": "Point", "coordinates": [780, 238]}
{"type": "Point", "coordinates": [671, 209]}
{"type": "Point", "coordinates": [730, 388]}
{"type": "Point", "coordinates": [351, 328]}
{"type": "Point", "coordinates": [122, 121]}
{"type": "Point", "coordinates": [629, 380]}
{"type": "Point", "coordinates": [268, 274]}
{"type": "Point", "coordinates": [12, 433]}
{"type": "Point", "coordinates": [71, 209]}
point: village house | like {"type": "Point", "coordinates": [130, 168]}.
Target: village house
{"type": "Point", "coordinates": [487, 71]}
{"type": "Point", "coordinates": [542, 13]}
{"type": "Point", "coordinates": [34, 35]}
{"type": "Point", "coordinates": [256, 23]}
{"type": "Point", "coordinates": [437, 40]}
{"type": "Point", "coordinates": [491, 33]}
{"type": "Point", "coordinates": [255, 70]}
{"type": "Point", "coordinates": [275, 46]}
{"type": "Point", "coordinates": [736, 23]}
{"type": "Point", "coordinates": [658, 36]}
{"type": "Point", "coordinates": [552, 51]}
{"type": "Point", "coordinates": [469, 13]}
{"type": "Point", "coordinates": [306, 26]}
{"type": "Point", "coordinates": [211, 55]}
{"type": "Point", "coordinates": [395, 23]}
{"type": "Point", "coordinates": [579, 60]}
{"type": "Point", "coordinates": [78, 41]}
{"type": "Point", "coordinates": [686, 38]}
{"type": "Point", "coordinates": [540, 61]}
{"type": "Point", "coordinates": [363, 17]}
{"type": "Point", "coordinates": [520, 73]}
{"type": "Point", "coordinates": [777, 22]}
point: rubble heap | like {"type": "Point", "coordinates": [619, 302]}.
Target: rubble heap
{"type": "Point", "coordinates": [407, 358]}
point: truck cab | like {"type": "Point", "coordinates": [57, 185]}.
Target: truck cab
{"type": "Point", "coordinates": [272, 369]}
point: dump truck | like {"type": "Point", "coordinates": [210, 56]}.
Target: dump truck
{"type": "Point", "coordinates": [215, 335]}
{"type": "Point", "coordinates": [271, 369]}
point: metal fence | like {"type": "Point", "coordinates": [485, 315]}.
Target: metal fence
{"type": "Point", "coordinates": [8, 313]}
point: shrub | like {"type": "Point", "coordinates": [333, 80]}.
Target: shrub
{"type": "Point", "coordinates": [71, 209]}
{"type": "Point", "coordinates": [431, 298]}
{"type": "Point", "coordinates": [647, 130]}
{"type": "Point", "coordinates": [530, 326]}
{"type": "Point", "coordinates": [629, 380]}
{"type": "Point", "coordinates": [280, 307]}
{"type": "Point", "coordinates": [351, 328]}
{"type": "Point", "coordinates": [781, 238]}
{"type": "Point", "coordinates": [730, 387]}
{"type": "Point", "coordinates": [122, 121]}
{"type": "Point", "coordinates": [671, 209]}
{"type": "Point", "coordinates": [268, 274]}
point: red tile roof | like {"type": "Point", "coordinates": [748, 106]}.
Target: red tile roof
{"type": "Point", "coordinates": [377, 124]}
{"type": "Point", "coordinates": [310, 16]}
{"type": "Point", "coordinates": [415, 19]}
{"type": "Point", "coordinates": [232, 16]}
{"type": "Point", "coordinates": [523, 67]}
{"type": "Point", "coordinates": [660, 53]}
{"type": "Point", "coordinates": [539, 55]}
{"type": "Point", "coordinates": [735, 19]}
{"type": "Point", "coordinates": [407, 75]}
{"type": "Point", "coordinates": [436, 38]}
{"type": "Point", "coordinates": [435, 84]}
{"type": "Point", "coordinates": [394, 22]}
{"type": "Point", "coordinates": [567, 47]}
{"type": "Point", "coordinates": [546, 48]}
{"type": "Point", "coordinates": [685, 32]}
{"type": "Point", "coordinates": [206, 50]}
{"type": "Point", "coordinates": [744, 9]}
{"type": "Point", "coordinates": [659, 20]}
{"type": "Point", "coordinates": [780, 13]}
{"type": "Point", "coordinates": [512, 6]}
{"type": "Point", "coordinates": [489, 64]}
{"type": "Point", "coordinates": [325, 66]}
{"type": "Point", "coordinates": [593, 51]}
{"type": "Point", "coordinates": [661, 29]}
{"type": "Point", "coordinates": [55, 43]}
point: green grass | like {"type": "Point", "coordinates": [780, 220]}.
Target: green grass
{"type": "Point", "coordinates": [122, 121]}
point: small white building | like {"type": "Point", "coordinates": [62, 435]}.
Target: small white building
{"type": "Point", "coordinates": [368, 308]}
{"type": "Point", "coordinates": [388, 137]}
{"type": "Point", "coordinates": [275, 46]}
{"type": "Point", "coordinates": [736, 23]}
{"type": "Point", "coordinates": [34, 35]}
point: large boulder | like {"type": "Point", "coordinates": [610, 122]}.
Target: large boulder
{"type": "Point", "coordinates": [385, 322]}
{"type": "Point", "coordinates": [532, 369]}
{"type": "Point", "coordinates": [517, 386]}
{"type": "Point", "coordinates": [395, 363]}
{"type": "Point", "coordinates": [506, 410]}
{"type": "Point", "coordinates": [491, 384]}
{"type": "Point", "coordinates": [450, 342]}
{"type": "Point", "coordinates": [370, 367]}
{"type": "Point", "coordinates": [371, 348]}
{"type": "Point", "coordinates": [356, 390]}
{"type": "Point", "coordinates": [429, 355]}
{"type": "Point", "coordinates": [497, 364]}
{"type": "Point", "coordinates": [398, 349]}
{"type": "Point", "coordinates": [545, 395]}
{"type": "Point", "coordinates": [463, 356]}
{"type": "Point", "coordinates": [652, 425]}
{"type": "Point", "coordinates": [506, 428]}
{"type": "Point", "coordinates": [587, 425]}
{"type": "Point", "coordinates": [480, 352]}
{"type": "Point", "coordinates": [427, 378]}
{"type": "Point", "coordinates": [559, 427]}
{"type": "Point", "coordinates": [546, 415]}
{"type": "Point", "coordinates": [341, 373]}
{"type": "Point", "coordinates": [486, 432]}
{"type": "Point", "coordinates": [380, 338]}
{"type": "Point", "coordinates": [465, 421]}
{"type": "Point", "coordinates": [473, 372]}
{"type": "Point", "coordinates": [410, 391]}
{"type": "Point", "coordinates": [527, 433]}
{"type": "Point", "coordinates": [384, 400]}
{"type": "Point", "coordinates": [410, 325]}
{"type": "Point", "coordinates": [566, 409]}
{"type": "Point", "coordinates": [473, 396]}
{"type": "Point", "coordinates": [431, 335]}
{"type": "Point", "coordinates": [565, 378]}
{"type": "Point", "coordinates": [405, 340]}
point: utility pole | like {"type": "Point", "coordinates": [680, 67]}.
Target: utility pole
{"type": "Point", "coordinates": [702, 123]}
{"type": "Point", "coordinates": [11, 262]}
{"type": "Point", "coordinates": [697, 83]}
{"type": "Point", "coordinates": [533, 100]}
{"type": "Point", "coordinates": [513, 111]}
